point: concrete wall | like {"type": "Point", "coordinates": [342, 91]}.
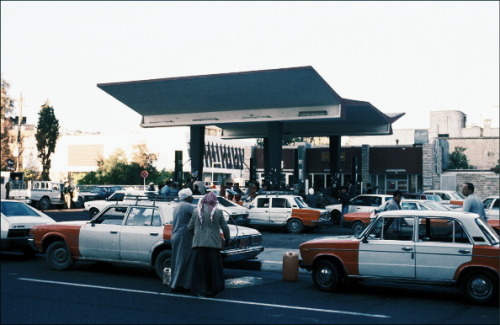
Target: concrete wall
{"type": "Point", "coordinates": [486, 182]}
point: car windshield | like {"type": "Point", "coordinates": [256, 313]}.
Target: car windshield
{"type": "Point", "coordinates": [98, 190]}
{"type": "Point", "coordinates": [488, 231]}
{"type": "Point", "coordinates": [226, 203]}
{"type": "Point", "coordinates": [17, 209]}
{"type": "Point", "coordinates": [434, 197]}
{"type": "Point", "coordinates": [300, 202]}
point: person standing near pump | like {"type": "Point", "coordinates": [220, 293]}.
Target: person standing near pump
{"type": "Point", "coordinates": [182, 240]}
{"type": "Point", "coordinates": [472, 203]}
{"type": "Point", "coordinates": [207, 271]}
{"type": "Point", "coordinates": [312, 199]}
{"type": "Point", "coordinates": [68, 193]}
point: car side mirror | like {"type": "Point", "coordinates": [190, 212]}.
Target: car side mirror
{"type": "Point", "coordinates": [365, 239]}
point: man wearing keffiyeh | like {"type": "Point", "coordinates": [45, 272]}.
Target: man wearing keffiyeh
{"type": "Point", "coordinates": [206, 261]}
{"type": "Point", "coordinates": [182, 240]}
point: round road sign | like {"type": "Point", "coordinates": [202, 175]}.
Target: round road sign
{"type": "Point", "coordinates": [144, 174]}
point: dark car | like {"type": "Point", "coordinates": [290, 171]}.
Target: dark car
{"type": "Point", "coordinates": [100, 192]}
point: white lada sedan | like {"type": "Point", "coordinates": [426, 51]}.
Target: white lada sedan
{"type": "Point", "coordinates": [445, 247]}
{"type": "Point", "coordinates": [137, 233]}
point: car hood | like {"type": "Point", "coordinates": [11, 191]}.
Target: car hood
{"type": "Point", "coordinates": [235, 210]}
{"type": "Point", "coordinates": [337, 239]}
{"type": "Point", "coordinates": [242, 231]}
{"type": "Point", "coordinates": [28, 222]}
{"type": "Point", "coordinates": [333, 207]}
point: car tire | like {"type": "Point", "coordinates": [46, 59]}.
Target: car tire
{"type": "Point", "coordinates": [79, 203]}
{"type": "Point", "coordinates": [357, 227]}
{"type": "Point", "coordinates": [163, 260]}
{"type": "Point", "coordinates": [327, 276]}
{"type": "Point", "coordinates": [44, 204]}
{"type": "Point", "coordinates": [335, 216]}
{"type": "Point", "coordinates": [58, 256]}
{"type": "Point", "coordinates": [480, 287]}
{"type": "Point", "coordinates": [294, 226]}
{"type": "Point", "coordinates": [93, 212]}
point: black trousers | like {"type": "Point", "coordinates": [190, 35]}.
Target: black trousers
{"type": "Point", "coordinates": [207, 271]}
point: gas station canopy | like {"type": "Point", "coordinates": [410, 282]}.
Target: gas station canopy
{"type": "Point", "coordinates": [243, 103]}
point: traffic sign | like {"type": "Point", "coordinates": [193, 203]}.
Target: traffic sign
{"type": "Point", "coordinates": [144, 174]}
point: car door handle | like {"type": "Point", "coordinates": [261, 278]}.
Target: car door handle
{"type": "Point", "coordinates": [407, 249]}
{"type": "Point", "coordinates": [464, 251]}
{"type": "Point", "coordinates": [153, 234]}
{"type": "Point", "coordinates": [113, 232]}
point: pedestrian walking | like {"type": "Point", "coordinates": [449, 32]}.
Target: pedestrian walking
{"type": "Point", "coordinates": [395, 203]}
{"type": "Point", "coordinates": [207, 277]}
{"type": "Point", "coordinates": [182, 241]}
{"type": "Point", "coordinates": [344, 200]}
{"type": "Point", "coordinates": [472, 203]}
{"type": "Point", "coordinates": [68, 193]}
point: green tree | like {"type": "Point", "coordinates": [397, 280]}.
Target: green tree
{"type": "Point", "coordinates": [458, 160]}
{"type": "Point", "coordinates": [117, 170]}
{"type": "Point", "coordinates": [47, 134]}
{"type": "Point", "coordinates": [6, 125]}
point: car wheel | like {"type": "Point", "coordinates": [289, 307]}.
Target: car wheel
{"type": "Point", "coordinates": [163, 260]}
{"type": "Point", "coordinates": [44, 204]}
{"type": "Point", "coordinates": [58, 256]}
{"type": "Point", "coordinates": [93, 212]}
{"type": "Point", "coordinates": [295, 226]}
{"type": "Point", "coordinates": [335, 216]}
{"type": "Point", "coordinates": [357, 227]}
{"type": "Point", "coordinates": [327, 276]}
{"type": "Point", "coordinates": [79, 203]}
{"type": "Point", "coordinates": [480, 287]}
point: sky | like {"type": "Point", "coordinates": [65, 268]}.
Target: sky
{"type": "Point", "coordinates": [412, 57]}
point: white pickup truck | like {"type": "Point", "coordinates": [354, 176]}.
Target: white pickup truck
{"type": "Point", "coordinates": [40, 194]}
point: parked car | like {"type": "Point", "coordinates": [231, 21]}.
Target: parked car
{"type": "Point", "coordinates": [100, 192]}
{"type": "Point", "coordinates": [95, 206]}
{"type": "Point", "coordinates": [117, 235]}
{"type": "Point", "coordinates": [452, 198]}
{"type": "Point", "coordinates": [236, 214]}
{"type": "Point", "coordinates": [17, 220]}
{"type": "Point", "coordinates": [422, 196]}
{"type": "Point", "coordinates": [358, 221]}
{"type": "Point", "coordinates": [360, 203]}
{"type": "Point", "coordinates": [492, 208]}
{"type": "Point", "coordinates": [430, 247]}
{"type": "Point", "coordinates": [286, 211]}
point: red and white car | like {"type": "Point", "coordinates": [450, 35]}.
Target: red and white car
{"type": "Point", "coordinates": [446, 247]}
{"type": "Point", "coordinates": [285, 211]}
{"type": "Point", "coordinates": [128, 233]}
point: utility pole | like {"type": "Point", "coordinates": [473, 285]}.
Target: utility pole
{"type": "Point", "coordinates": [19, 123]}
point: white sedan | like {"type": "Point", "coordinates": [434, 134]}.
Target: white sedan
{"type": "Point", "coordinates": [17, 220]}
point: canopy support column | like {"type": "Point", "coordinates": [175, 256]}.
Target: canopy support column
{"type": "Point", "coordinates": [272, 155]}
{"type": "Point", "coordinates": [197, 149]}
{"type": "Point", "coordinates": [334, 160]}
